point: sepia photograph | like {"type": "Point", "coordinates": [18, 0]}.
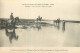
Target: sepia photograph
{"type": "Point", "coordinates": [36, 23]}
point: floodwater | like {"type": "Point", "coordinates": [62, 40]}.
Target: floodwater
{"type": "Point", "coordinates": [42, 36]}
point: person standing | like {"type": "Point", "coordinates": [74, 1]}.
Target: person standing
{"type": "Point", "coordinates": [11, 16]}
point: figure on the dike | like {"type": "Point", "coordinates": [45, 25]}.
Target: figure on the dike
{"type": "Point", "coordinates": [10, 23]}
{"type": "Point", "coordinates": [58, 23]}
{"type": "Point", "coordinates": [11, 16]}
{"type": "Point", "coordinates": [39, 18]}
{"type": "Point", "coordinates": [63, 26]}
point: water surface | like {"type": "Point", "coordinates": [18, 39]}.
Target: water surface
{"type": "Point", "coordinates": [42, 36]}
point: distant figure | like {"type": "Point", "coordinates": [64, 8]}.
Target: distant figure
{"type": "Point", "coordinates": [63, 27]}
{"type": "Point", "coordinates": [58, 20]}
{"type": "Point", "coordinates": [39, 18]}
{"type": "Point", "coordinates": [58, 23]}
{"type": "Point", "coordinates": [11, 16]}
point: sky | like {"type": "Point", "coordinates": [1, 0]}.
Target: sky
{"type": "Point", "coordinates": [63, 9]}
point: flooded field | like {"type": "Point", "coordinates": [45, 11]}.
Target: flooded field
{"type": "Point", "coordinates": [42, 36]}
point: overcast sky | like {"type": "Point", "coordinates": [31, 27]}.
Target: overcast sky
{"type": "Point", "coordinates": [63, 9]}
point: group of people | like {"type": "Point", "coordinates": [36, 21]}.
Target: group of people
{"type": "Point", "coordinates": [39, 18]}
{"type": "Point", "coordinates": [57, 23]}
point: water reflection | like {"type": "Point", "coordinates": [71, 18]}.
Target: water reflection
{"type": "Point", "coordinates": [34, 35]}
{"type": "Point", "coordinates": [58, 24]}
{"type": "Point", "coordinates": [38, 26]}
{"type": "Point", "coordinates": [11, 34]}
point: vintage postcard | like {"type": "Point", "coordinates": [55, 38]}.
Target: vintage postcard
{"type": "Point", "coordinates": [39, 26]}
